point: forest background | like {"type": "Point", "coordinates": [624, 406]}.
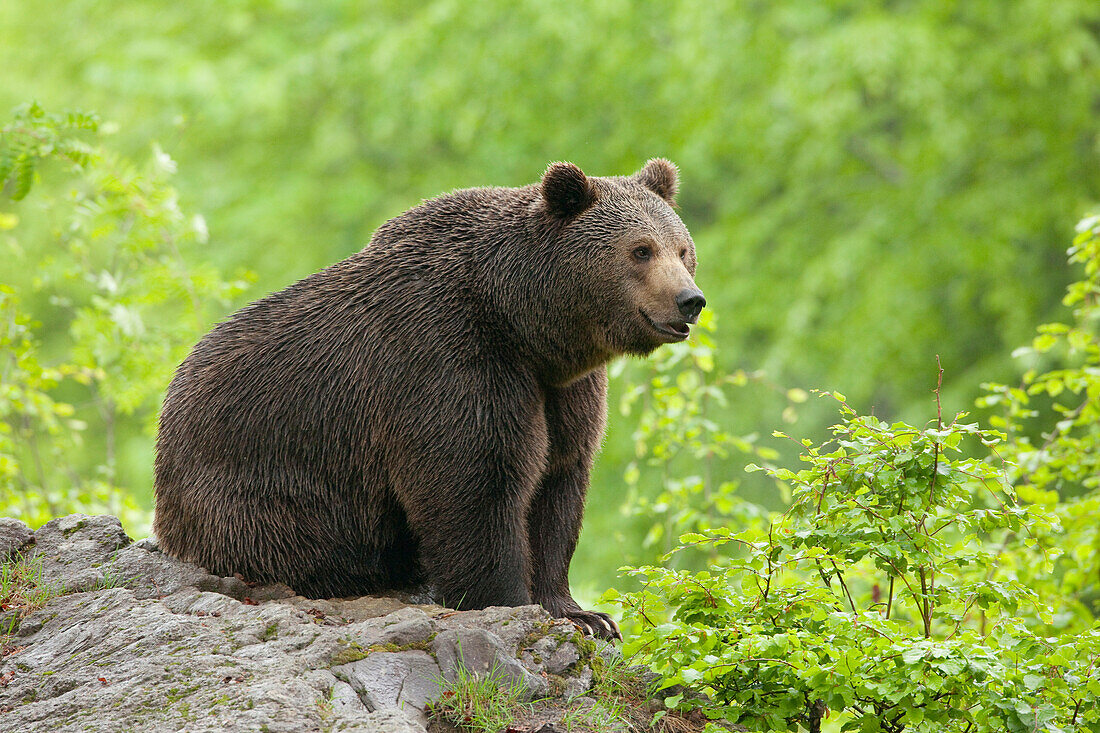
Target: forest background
{"type": "Point", "coordinates": [870, 185]}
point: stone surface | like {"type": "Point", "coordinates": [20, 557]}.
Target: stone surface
{"type": "Point", "coordinates": [392, 721]}
{"type": "Point", "coordinates": [552, 654]}
{"type": "Point", "coordinates": [75, 549]}
{"type": "Point", "coordinates": [405, 681]}
{"type": "Point", "coordinates": [510, 625]}
{"type": "Point", "coordinates": [14, 536]}
{"type": "Point", "coordinates": [483, 653]}
{"type": "Point", "coordinates": [344, 698]}
{"type": "Point", "coordinates": [577, 686]}
{"type": "Point", "coordinates": [401, 628]}
{"type": "Point", "coordinates": [139, 640]}
{"type": "Point", "coordinates": [363, 608]}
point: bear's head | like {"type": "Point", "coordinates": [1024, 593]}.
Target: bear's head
{"type": "Point", "coordinates": [630, 256]}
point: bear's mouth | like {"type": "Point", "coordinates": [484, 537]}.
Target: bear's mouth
{"type": "Point", "coordinates": [673, 330]}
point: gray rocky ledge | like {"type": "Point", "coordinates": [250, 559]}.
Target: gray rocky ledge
{"type": "Point", "coordinates": [142, 641]}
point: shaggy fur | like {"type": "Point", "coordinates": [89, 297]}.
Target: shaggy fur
{"type": "Point", "coordinates": [426, 411]}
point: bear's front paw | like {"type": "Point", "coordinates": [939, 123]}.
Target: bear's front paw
{"type": "Point", "coordinates": [594, 623]}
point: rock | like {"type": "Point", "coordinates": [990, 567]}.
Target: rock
{"type": "Point", "coordinates": [404, 627]}
{"type": "Point", "coordinates": [405, 681]}
{"type": "Point", "coordinates": [392, 721]}
{"type": "Point", "coordinates": [270, 592]}
{"type": "Point", "coordinates": [646, 676]}
{"type": "Point", "coordinates": [564, 657]}
{"type": "Point", "coordinates": [407, 626]}
{"type": "Point", "coordinates": [343, 697]}
{"type": "Point", "coordinates": [149, 544]}
{"type": "Point", "coordinates": [155, 575]}
{"type": "Point", "coordinates": [510, 625]}
{"type": "Point", "coordinates": [575, 687]}
{"type": "Point", "coordinates": [202, 603]}
{"type": "Point", "coordinates": [139, 640]}
{"type": "Point", "coordinates": [483, 653]}
{"type": "Point", "coordinates": [551, 654]}
{"type": "Point", "coordinates": [74, 550]}
{"type": "Point", "coordinates": [107, 661]}
{"type": "Point", "coordinates": [14, 536]}
{"type": "Point", "coordinates": [363, 608]}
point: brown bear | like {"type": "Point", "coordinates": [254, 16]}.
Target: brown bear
{"type": "Point", "coordinates": [425, 413]}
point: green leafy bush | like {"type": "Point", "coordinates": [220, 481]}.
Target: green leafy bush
{"type": "Point", "coordinates": [875, 595]}
{"type": "Point", "coordinates": [112, 272]}
{"type": "Point", "coordinates": [922, 578]}
{"type": "Point", "coordinates": [676, 482]}
{"type": "Point", "coordinates": [1052, 419]}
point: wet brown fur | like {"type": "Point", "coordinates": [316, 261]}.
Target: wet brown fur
{"type": "Point", "coordinates": [426, 411]}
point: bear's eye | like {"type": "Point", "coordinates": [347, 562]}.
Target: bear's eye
{"type": "Point", "coordinates": [683, 254]}
{"type": "Point", "coordinates": [642, 253]}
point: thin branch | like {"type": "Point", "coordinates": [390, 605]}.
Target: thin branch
{"type": "Point", "coordinates": [939, 426]}
{"type": "Point", "coordinates": [926, 613]}
{"type": "Point", "coordinates": [840, 577]}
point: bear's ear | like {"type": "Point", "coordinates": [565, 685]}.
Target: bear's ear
{"type": "Point", "coordinates": [566, 190]}
{"type": "Point", "coordinates": [661, 177]}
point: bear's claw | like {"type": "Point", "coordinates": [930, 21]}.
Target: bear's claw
{"type": "Point", "coordinates": [594, 623]}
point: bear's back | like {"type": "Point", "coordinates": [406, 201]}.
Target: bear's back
{"type": "Point", "coordinates": [310, 373]}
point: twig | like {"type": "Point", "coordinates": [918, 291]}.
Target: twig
{"type": "Point", "coordinates": [926, 613]}
{"type": "Point", "coordinates": [939, 426]}
{"type": "Point", "coordinates": [890, 598]}
{"type": "Point", "coordinates": [840, 577]}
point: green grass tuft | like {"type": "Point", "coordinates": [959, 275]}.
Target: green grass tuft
{"type": "Point", "coordinates": [22, 589]}
{"type": "Point", "coordinates": [479, 703]}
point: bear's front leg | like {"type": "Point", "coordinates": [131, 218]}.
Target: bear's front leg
{"type": "Point", "coordinates": [554, 525]}
{"type": "Point", "coordinates": [473, 547]}
{"type": "Point", "coordinates": [466, 490]}
{"type": "Point", "coordinates": [575, 417]}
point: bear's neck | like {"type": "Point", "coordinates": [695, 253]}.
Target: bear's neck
{"type": "Point", "coordinates": [539, 311]}
{"type": "Point", "coordinates": [556, 353]}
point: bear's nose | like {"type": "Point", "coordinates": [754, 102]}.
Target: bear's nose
{"type": "Point", "coordinates": [690, 301]}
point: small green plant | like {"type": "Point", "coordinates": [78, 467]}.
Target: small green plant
{"type": "Point", "coordinates": [611, 687]}
{"type": "Point", "coordinates": [623, 700]}
{"type": "Point", "coordinates": [605, 716]}
{"type": "Point", "coordinates": [110, 578]}
{"type": "Point", "coordinates": [485, 703]}
{"type": "Point", "coordinates": [349, 652]}
{"type": "Point", "coordinates": [22, 590]}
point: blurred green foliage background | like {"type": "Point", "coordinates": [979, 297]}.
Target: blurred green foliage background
{"type": "Point", "coordinates": [869, 184]}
